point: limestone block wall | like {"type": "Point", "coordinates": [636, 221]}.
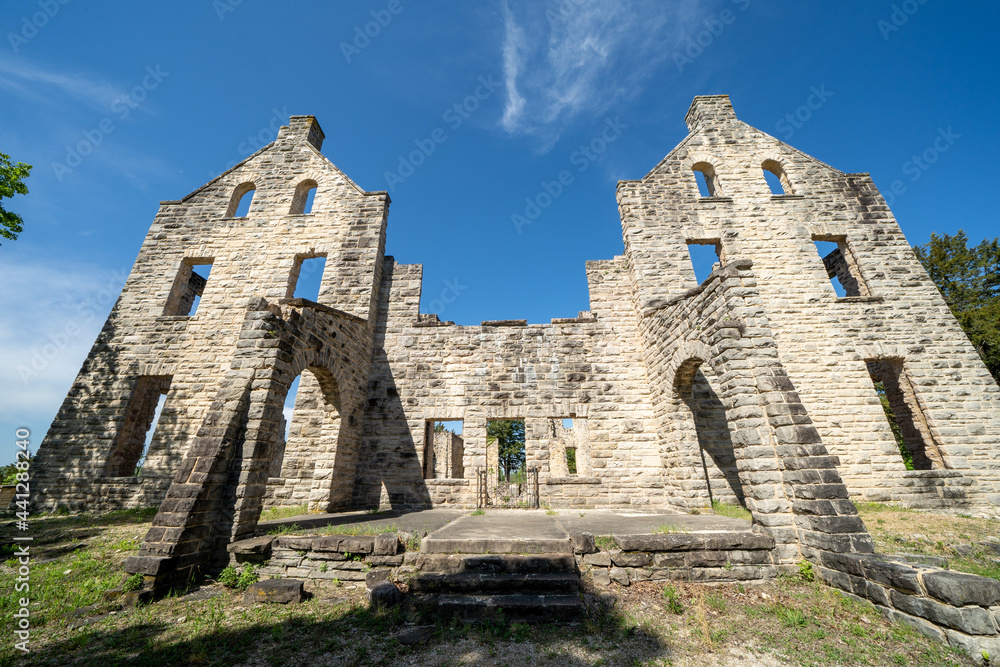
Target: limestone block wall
{"type": "Point", "coordinates": [584, 368]}
{"type": "Point", "coordinates": [252, 256]}
{"type": "Point", "coordinates": [824, 341]}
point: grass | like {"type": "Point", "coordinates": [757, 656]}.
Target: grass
{"type": "Point", "coordinates": [605, 542]}
{"type": "Point", "coordinates": [732, 511]}
{"type": "Point", "coordinates": [900, 530]}
{"type": "Point", "coordinates": [669, 528]}
{"type": "Point", "coordinates": [787, 622]}
{"type": "Point", "coordinates": [276, 513]}
{"type": "Point", "coordinates": [479, 512]}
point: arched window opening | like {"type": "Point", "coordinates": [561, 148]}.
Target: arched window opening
{"type": "Point", "coordinates": [302, 200]}
{"type": "Point", "coordinates": [695, 387]}
{"type": "Point", "coordinates": [708, 180]}
{"type": "Point", "coordinates": [239, 204]}
{"type": "Point", "coordinates": [776, 178]}
{"type": "Point", "coordinates": [309, 431]}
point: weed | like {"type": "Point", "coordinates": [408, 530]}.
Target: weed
{"type": "Point", "coordinates": [551, 512]}
{"type": "Point", "coordinates": [790, 617]}
{"type": "Point", "coordinates": [284, 529]}
{"type": "Point", "coordinates": [716, 602]}
{"type": "Point", "coordinates": [731, 511]}
{"type": "Point", "coordinates": [479, 512]}
{"type": "Point", "coordinates": [605, 542]}
{"type": "Point", "coordinates": [669, 528]}
{"type": "Point", "coordinates": [673, 598]}
{"type": "Point", "coordinates": [132, 583]}
{"type": "Point", "coordinates": [284, 512]}
{"type": "Point", "coordinates": [806, 571]}
{"type": "Point", "coordinates": [230, 577]}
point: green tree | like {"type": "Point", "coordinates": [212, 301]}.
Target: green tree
{"type": "Point", "coordinates": [969, 280]}
{"type": "Point", "coordinates": [12, 175]}
{"type": "Point", "coordinates": [509, 435]}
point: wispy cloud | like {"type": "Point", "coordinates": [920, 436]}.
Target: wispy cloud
{"type": "Point", "coordinates": [576, 58]}
{"type": "Point", "coordinates": [59, 309]}
{"type": "Point", "coordinates": [40, 84]}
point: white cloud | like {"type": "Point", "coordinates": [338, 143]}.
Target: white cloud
{"type": "Point", "coordinates": [576, 58]}
{"type": "Point", "coordinates": [38, 83]}
{"type": "Point", "coordinates": [54, 312]}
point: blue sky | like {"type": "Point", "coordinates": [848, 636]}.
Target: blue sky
{"type": "Point", "coordinates": [167, 95]}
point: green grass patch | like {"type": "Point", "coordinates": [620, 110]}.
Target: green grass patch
{"type": "Point", "coordinates": [669, 528]}
{"type": "Point", "coordinates": [732, 511]}
{"type": "Point", "coordinates": [276, 513]}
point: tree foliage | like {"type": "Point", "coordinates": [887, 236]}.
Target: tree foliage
{"type": "Point", "coordinates": [12, 175]}
{"type": "Point", "coordinates": [969, 280]}
{"type": "Point", "coordinates": [509, 436]}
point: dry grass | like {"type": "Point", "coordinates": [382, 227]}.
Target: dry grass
{"type": "Point", "coordinates": [789, 622]}
{"type": "Point", "coordinates": [959, 539]}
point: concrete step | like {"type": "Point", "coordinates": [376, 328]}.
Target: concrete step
{"type": "Point", "coordinates": [496, 564]}
{"type": "Point", "coordinates": [471, 583]}
{"type": "Point", "coordinates": [495, 545]}
{"type": "Point", "coordinates": [513, 607]}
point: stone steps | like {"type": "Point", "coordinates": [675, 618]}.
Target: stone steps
{"type": "Point", "coordinates": [517, 587]}
{"type": "Point", "coordinates": [471, 583]}
{"type": "Point", "coordinates": [512, 607]}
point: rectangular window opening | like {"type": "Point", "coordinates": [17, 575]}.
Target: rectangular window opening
{"type": "Point", "coordinates": [139, 426]}
{"type": "Point", "coordinates": [507, 436]}
{"type": "Point", "coordinates": [913, 436]}
{"type": "Point", "coordinates": [840, 266]}
{"type": "Point", "coordinates": [307, 277]}
{"type": "Point", "coordinates": [444, 449]}
{"type": "Point", "coordinates": [189, 287]}
{"type": "Point", "coordinates": [706, 256]}
{"type": "Point", "coordinates": [571, 460]}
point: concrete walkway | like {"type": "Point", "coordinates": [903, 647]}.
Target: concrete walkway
{"type": "Point", "coordinates": [515, 531]}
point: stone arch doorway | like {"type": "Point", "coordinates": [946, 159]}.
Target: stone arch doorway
{"type": "Point", "coordinates": [704, 432]}
{"type": "Point", "coordinates": [306, 438]}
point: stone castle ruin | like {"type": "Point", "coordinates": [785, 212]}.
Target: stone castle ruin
{"type": "Point", "coordinates": [756, 387]}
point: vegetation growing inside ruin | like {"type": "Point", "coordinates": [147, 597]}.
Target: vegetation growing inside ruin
{"type": "Point", "coordinates": [969, 280]}
{"type": "Point", "coordinates": [509, 436]}
{"type": "Point", "coordinates": [275, 513]}
{"type": "Point", "coordinates": [897, 433]}
{"type": "Point", "coordinates": [966, 544]}
{"type": "Point", "coordinates": [731, 511]}
{"type": "Point", "coordinates": [788, 622]}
